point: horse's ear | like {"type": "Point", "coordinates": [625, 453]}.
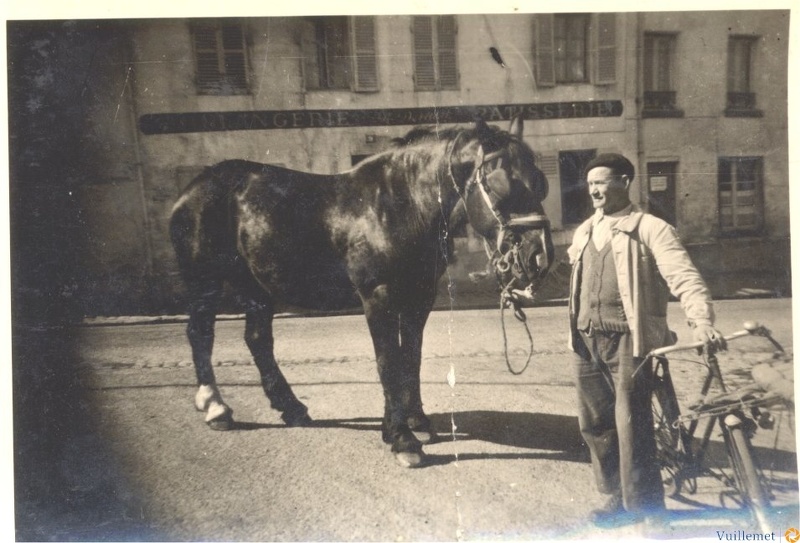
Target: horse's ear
{"type": "Point", "coordinates": [484, 132]}
{"type": "Point", "coordinates": [516, 126]}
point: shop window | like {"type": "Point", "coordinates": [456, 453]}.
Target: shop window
{"type": "Point", "coordinates": [576, 204]}
{"type": "Point", "coordinates": [355, 159]}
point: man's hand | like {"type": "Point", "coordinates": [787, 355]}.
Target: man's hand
{"type": "Point", "coordinates": [710, 337]}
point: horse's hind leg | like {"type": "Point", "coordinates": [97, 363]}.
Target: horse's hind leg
{"type": "Point", "coordinates": [259, 338]}
{"type": "Point", "coordinates": [205, 295]}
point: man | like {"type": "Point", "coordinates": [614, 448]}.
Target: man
{"type": "Point", "coordinates": [624, 265]}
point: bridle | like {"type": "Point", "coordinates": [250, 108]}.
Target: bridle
{"type": "Point", "coordinates": [509, 260]}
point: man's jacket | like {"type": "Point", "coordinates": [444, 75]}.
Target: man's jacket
{"type": "Point", "coordinates": [651, 262]}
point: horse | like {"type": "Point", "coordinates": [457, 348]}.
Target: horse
{"type": "Point", "coordinates": [377, 235]}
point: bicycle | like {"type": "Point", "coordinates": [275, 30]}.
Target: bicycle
{"type": "Point", "coordinates": [738, 413]}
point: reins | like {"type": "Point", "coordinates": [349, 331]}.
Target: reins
{"type": "Point", "coordinates": [506, 301]}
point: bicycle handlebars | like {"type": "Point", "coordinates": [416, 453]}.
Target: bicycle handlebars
{"type": "Point", "coordinates": [750, 328]}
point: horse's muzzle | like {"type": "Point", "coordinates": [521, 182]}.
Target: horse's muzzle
{"type": "Point", "coordinates": [525, 252]}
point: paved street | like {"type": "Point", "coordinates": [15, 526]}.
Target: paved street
{"type": "Point", "coordinates": [509, 464]}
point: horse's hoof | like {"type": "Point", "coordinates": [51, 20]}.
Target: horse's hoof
{"type": "Point", "coordinates": [219, 417]}
{"type": "Point", "coordinates": [221, 424]}
{"type": "Point", "coordinates": [410, 459]}
{"type": "Point", "coordinates": [406, 449]}
{"type": "Point", "coordinates": [297, 419]}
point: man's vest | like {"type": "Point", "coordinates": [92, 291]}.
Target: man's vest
{"type": "Point", "coordinates": [600, 306]}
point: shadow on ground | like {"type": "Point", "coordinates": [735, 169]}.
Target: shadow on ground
{"type": "Point", "coordinates": [539, 431]}
{"type": "Point", "coordinates": [551, 436]}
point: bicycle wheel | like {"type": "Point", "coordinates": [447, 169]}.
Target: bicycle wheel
{"type": "Point", "coordinates": [672, 440]}
{"type": "Point", "coordinates": [754, 495]}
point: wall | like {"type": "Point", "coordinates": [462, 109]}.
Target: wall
{"type": "Point", "coordinates": [704, 133]}
{"type": "Point", "coordinates": [150, 70]}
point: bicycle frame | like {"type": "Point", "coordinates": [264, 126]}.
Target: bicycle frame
{"type": "Point", "coordinates": [713, 374]}
{"type": "Point", "coordinates": [680, 457]}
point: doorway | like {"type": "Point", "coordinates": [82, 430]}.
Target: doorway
{"type": "Point", "coordinates": [661, 190]}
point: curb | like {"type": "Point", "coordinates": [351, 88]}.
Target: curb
{"type": "Point", "coordinates": [173, 319]}
{"type": "Point", "coordinates": [741, 294]}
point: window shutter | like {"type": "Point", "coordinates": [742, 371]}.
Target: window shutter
{"type": "Point", "coordinates": [365, 59]}
{"type": "Point", "coordinates": [448, 53]}
{"type": "Point", "coordinates": [543, 55]}
{"type": "Point", "coordinates": [310, 61]}
{"type": "Point", "coordinates": [424, 72]}
{"type": "Point", "coordinates": [206, 53]}
{"type": "Point", "coordinates": [221, 58]}
{"type": "Point", "coordinates": [606, 51]}
{"type": "Point", "coordinates": [548, 164]}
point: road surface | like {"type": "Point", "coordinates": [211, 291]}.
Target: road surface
{"type": "Point", "coordinates": [509, 463]}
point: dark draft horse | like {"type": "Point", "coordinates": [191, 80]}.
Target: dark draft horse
{"type": "Point", "coordinates": [377, 235]}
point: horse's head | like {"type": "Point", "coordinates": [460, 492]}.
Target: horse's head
{"type": "Point", "coordinates": [502, 190]}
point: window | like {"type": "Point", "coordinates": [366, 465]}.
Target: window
{"type": "Point", "coordinates": [339, 53]}
{"type": "Point", "coordinates": [570, 40]}
{"type": "Point", "coordinates": [741, 100]}
{"type": "Point", "coordinates": [220, 54]}
{"type": "Point", "coordinates": [660, 98]}
{"type": "Point", "coordinates": [435, 53]}
{"type": "Point", "coordinates": [740, 194]}
{"type": "Point", "coordinates": [575, 48]}
{"type": "Point", "coordinates": [333, 53]}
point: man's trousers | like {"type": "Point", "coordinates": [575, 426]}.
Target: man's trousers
{"type": "Point", "coordinates": [616, 419]}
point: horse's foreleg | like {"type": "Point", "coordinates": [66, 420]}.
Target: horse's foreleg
{"type": "Point", "coordinates": [200, 331]}
{"type": "Point", "coordinates": [384, 327]}
{"type": "Point", "coordinates": [412, 325]}
{"type": "Point", "coordinates": [259, 338]}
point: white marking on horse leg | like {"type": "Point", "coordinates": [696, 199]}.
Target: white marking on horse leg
{"type": "Point", "coordinates": [218, 414]}
{"type": "Point", "coordinates": [204, 395]}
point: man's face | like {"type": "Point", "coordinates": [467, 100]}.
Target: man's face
{"type": "Point", "coordinates": [609, 192]}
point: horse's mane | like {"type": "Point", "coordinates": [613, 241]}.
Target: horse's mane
{"type": "Point", "coordinates": [427, 133]}
{"type": "Point", "coordinates": [422, 134]}
{"type": "Point", "coordinates": [494, 138]}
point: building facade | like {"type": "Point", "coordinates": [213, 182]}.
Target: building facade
{"type": "Point", "coordinates": [697, 100]}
